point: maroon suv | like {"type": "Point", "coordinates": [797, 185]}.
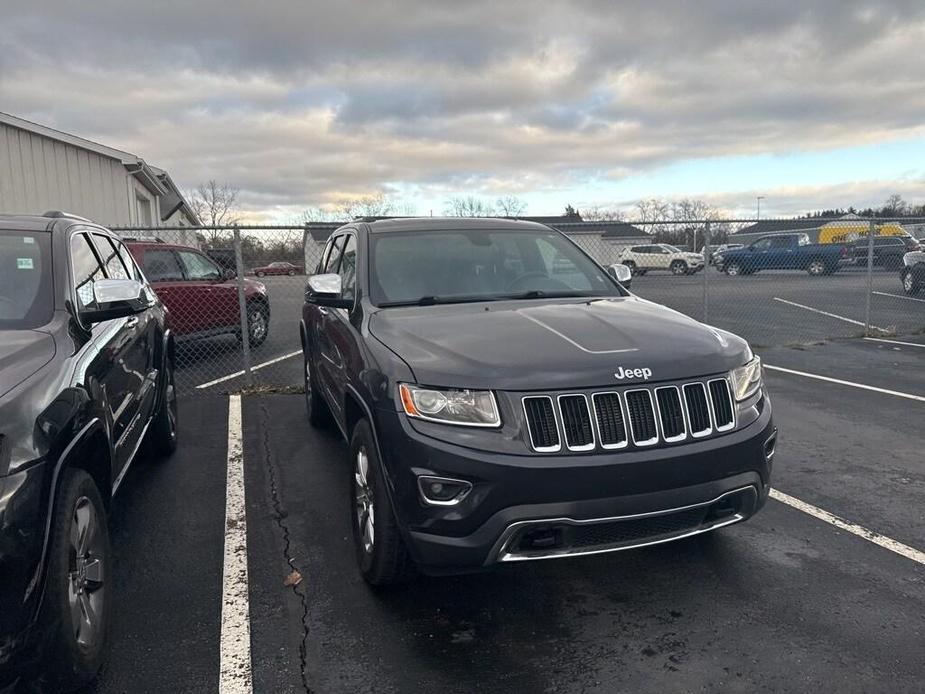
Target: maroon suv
{"type": "Point", "coordinates": [201, 297]}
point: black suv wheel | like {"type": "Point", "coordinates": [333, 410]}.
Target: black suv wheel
{"type": "Point", "coordinates": [910, 284]}
{"type": "Point", "coordinates": [76, 607]}
{"type": "Point", "coordinates": [381, 553]}
{"type": "Point", "coordinates": [164, 427]}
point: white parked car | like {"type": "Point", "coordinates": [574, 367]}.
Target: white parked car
{"type": "Point", "coordinates": [661, 256]}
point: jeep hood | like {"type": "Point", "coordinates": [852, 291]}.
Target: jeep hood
{"type": "Point", "coordinates": [532, 345]}
{"type": "Point", "coordinates": [22, 353]}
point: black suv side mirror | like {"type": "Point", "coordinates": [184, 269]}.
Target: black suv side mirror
{"type": "Point", "coordinates": [325, 290]}
{"type": "Point", "coordinates": [115, 299]}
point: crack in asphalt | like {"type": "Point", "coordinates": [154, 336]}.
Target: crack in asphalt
{"type": "Point", "coordinates": [279, 518]}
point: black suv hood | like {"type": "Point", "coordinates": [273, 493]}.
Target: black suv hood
{"type": "Point", "coordinates": [22, 353]}
{"type": "Point", "coordinates": [530, 345]}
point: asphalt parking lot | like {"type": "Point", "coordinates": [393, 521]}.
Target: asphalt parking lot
{"type": "Point", "coordinates": [785, 602]}
{"type": "Point", "coordinates": [770, 309]}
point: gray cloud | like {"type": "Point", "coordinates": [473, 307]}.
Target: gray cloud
{"type": "Point", "coordinates": [301, 103]}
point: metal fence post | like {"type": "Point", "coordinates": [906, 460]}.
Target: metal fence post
{"type": "Point", "coordinates": [706, 267]}
{"type": "Point", "coordinates": [242, 308]}
{"type": "Point", "coordinates": [870, 275]}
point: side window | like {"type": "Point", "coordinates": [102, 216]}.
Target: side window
{"type": "Point", "coordinates": [762, 245]}
{"type": "Point", "coordinates": [162, 266]}
{"type": "Point", "coordinates": [319, 269]}
{"type": "Point", "coordinates": [780, 242]}
{"type": "Point", "coordinates": [115, 268]}
{"type": "Point", "coordinates": [198, 267]}
{"type": "Point", "coordinates": [128, 261]}
{"type": "Point", "coordinates": [334, 257]}
{"type": "Point", "coordinates": [348, 268]}
{"type": "Point", "coordinates": [87, 270]}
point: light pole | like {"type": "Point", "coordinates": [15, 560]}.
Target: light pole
{"type": "Point", "coordinates": [759, 198]}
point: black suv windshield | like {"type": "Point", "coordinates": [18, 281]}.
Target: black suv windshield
{"type": "Point", "coordinates": [479, 265]}
{"type": "Point", "coordinates": [26, 298]}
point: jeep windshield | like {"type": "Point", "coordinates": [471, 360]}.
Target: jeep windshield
{"type": "Point", "coordinates": [459, 266]}
{"type": "Point", "coordinates": [26, 299]}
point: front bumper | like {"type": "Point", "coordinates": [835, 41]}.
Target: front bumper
{"type": "Point", "coordinates": [535, 507]}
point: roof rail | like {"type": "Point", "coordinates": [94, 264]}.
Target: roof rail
{"type": "Point", "coordinates": [58, 214]}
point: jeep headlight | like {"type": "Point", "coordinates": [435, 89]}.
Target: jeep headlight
{"type": "Point", "coordinates": [746, 379]}
{"type": "Point", "coordinates": [474, 408]}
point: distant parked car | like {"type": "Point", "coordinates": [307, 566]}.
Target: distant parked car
{"type": "Point", "coordinates": [912, 273]}
{"type": "Point", "coordinates": [661, 256]}
{"type": "Point", "coordinates": [888, 250]}
{"type": "Point", "coordinates": [279, 268]}
{"type": "Point", "coordinates": [783, 252]}
{"type": "Point", "coordinates": [202, 298]}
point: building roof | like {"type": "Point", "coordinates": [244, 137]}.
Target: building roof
{"type": "Point", "coordinates": [607, 230]}
{"type": "Point", "coordinates": [156, 180]}
{"type": "Point", "coordinates": [771, 226]}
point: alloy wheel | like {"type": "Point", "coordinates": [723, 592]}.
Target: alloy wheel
{"type": "Point", "coordinates": [258, 325]}
{"type": "Point", "coordinates": [909, 283]}
{"type": "Point", "coordinates": [171, 394]}
{"type": "Point", "coordinates": [816, 267]}
{"type": "Point", "coordinates": [86, 589]}
{"type": "Point", "coordinates": [363, 495]}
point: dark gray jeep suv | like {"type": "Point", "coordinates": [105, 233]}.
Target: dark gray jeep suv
{"type": "Point", "coordinates": [505, 399]}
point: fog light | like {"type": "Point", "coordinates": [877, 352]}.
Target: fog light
{"type": "Point", "coordinates": [442, 491]}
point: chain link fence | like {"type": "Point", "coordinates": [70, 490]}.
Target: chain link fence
{"type": "Point", "coordinates": [235, 294]}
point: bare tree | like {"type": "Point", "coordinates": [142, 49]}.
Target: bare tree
{"type": "Point", "coordinates": [602, 213]}
{"type": "Point", "coordinates": [216, 205]}
{"type": "Point", "coordinates": [468, 206]}
{"type": "Point", "coordinates": [375, 205]}
{"type": "Point", "coordinates": [314, 214]}
{"type": "Point", "coordinates": [653, 210]}
{"type": "Point", "coordinates": [510, 206]}
{"type": "Point", "coordinates": [895, 206]}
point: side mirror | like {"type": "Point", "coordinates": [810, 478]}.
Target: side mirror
{"type": "Point", "coordinates": [325, 290]}
{"type": "Point", "coordinates": [115, 299]}
{"type": "Point", "coordinates": [621, 273]}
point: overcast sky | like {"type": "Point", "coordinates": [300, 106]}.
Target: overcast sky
{"type": "Point", "coordinates": [303, 103]}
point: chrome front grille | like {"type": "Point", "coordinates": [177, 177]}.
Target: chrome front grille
{"type": "Point", "coordinates": [640, 417]}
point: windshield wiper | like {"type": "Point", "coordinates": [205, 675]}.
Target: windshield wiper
{"type": "Point", "coordinates": [540, 294]}
{"type": "Point", "coordinates": [432, 300]}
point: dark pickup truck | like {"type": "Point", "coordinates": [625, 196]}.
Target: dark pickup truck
{"type": "Point", "coordinates": [782, 252]}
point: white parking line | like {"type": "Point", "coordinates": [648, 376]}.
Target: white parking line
{"type": "Point", "coordinates": [900, 296]}
{"type": "Point", "coordinates": [859, 530]}
{"type": "Point", "coordinates": [896, 342]}
{"type": "Point", "coordinates": [824, 313]}
{"type": "Point", "coordinates": [885, 391]}
{"type": "Point", "coordinates": [235, 650]}
{"type": "Point", "coordinates": [253, 368]}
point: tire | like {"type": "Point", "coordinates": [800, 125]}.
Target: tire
{"type": "Point", "coordinates": [261, 274]}
{"type": "Point", "coordinates": [76, 638]}
{"type": "Point", "coordinates": [816, 267]}
{"type": "Point", "coordinates": [381, 554]}
{"type": "Point", "coordinates": [632, 266]}
{"type": "Point", "coordinates": [258, 323]}
{"type": "Point", "coordinates": [679, 267]}
{"type": "Point", "coordinates": [910, 284]}
{"type": "Point", "coordinates": [164, 426]}
{"type": "Point", "coordinates": [733, 270]}
{"type": "Point", "coordinates": [319, 414]}
{"type": "Point", "coordinates": [291, 273]}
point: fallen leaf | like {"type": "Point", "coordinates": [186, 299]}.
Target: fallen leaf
{"type": "Point", "coordinates": [293, 579]}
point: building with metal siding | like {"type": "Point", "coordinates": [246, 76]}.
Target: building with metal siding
{"type": "Point", "coordinates": [44, 169]}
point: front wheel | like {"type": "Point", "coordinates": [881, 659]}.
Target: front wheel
{"type": "Point", "coordinates": [164, 426]}
{"type": "Point", "coordinates": [319, 415]}
{"type": "Point", "coordinates": [381, 554]}
{"type": "Point", "coordinates": [291, 273]}
{"type": "Point", "coordinates": [258, 323]}
{"type": "Point", "coordinates": [733, 269]}
{"type": "Point", "coordinates": [910, 285]}
{"type": "Point", "coordinates": [261, 274]}
{"type": "Point", "coordinates": [816, 268]}
{"type": "Point", "coordinates": [76, 603]}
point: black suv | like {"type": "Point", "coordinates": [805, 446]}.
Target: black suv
{"type": "Point", "coordinates": [86, 371]}
{"type": "Point", "coordinates": [888, 250]}
{"type": "Point", "coordinates": [505, 399]}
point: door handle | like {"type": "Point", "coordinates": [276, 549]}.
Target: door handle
{"type": "Point", "coordinates": [131, 322]}
{"type": "Point", "coordinates": [322, 310]}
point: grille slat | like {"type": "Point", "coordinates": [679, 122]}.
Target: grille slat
{"type": "Point", "coordinates": [671, 413]}
{"type": "Point", "coordinates": [611, 428]}
{"type": "Point", "coordinates": [641, 417]}
{"type": "Point", "coordinates": [541, 423]}
{"type": "Point", "coordinates": [576, 422]}
{"type": "Point", "coordinates": [698, 411]}
{"type": "Point", "coordinates": [722, 404]}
